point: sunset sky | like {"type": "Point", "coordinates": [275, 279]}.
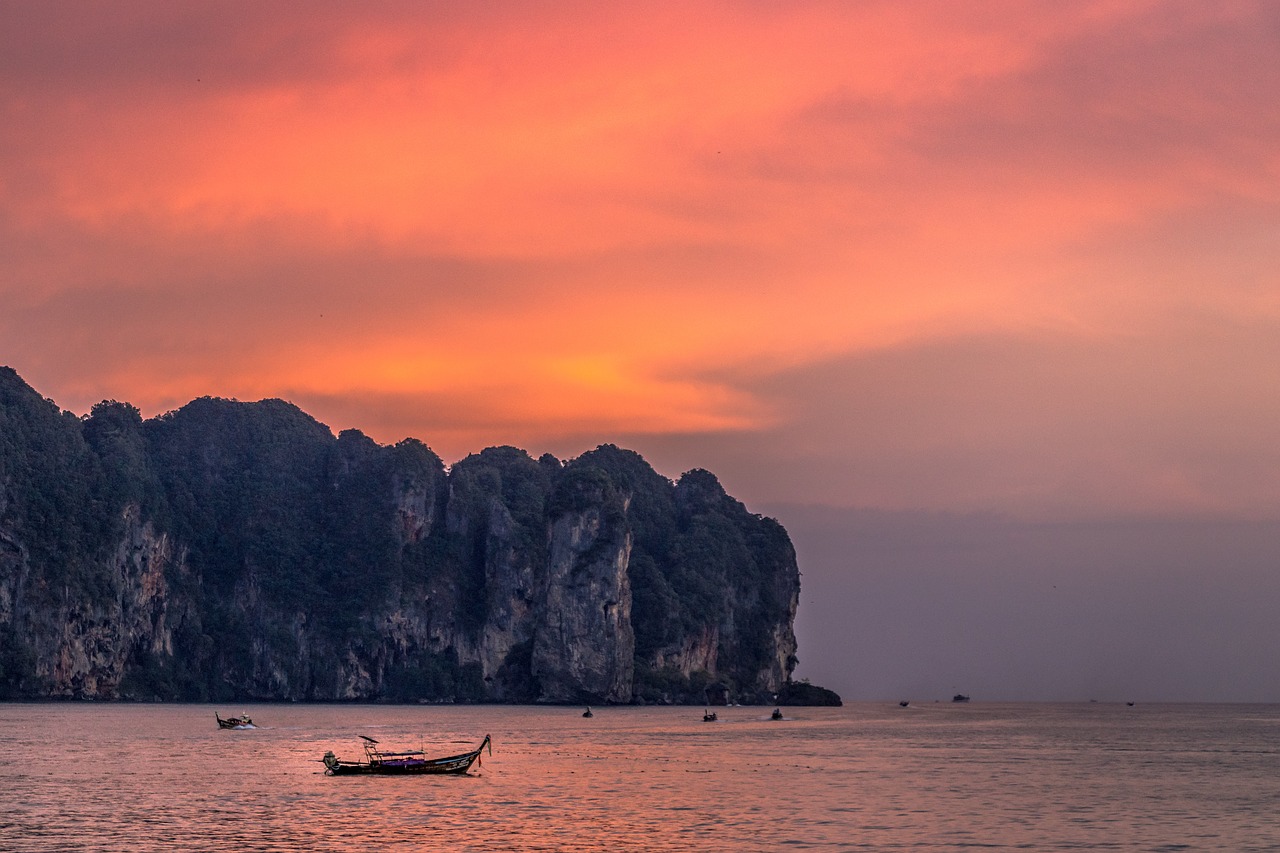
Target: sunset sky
{"type": "Point", "coordinates": [981, 300]}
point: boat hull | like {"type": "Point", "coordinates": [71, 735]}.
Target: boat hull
{"type": "Point", "coordinates": [452, 765]}
{"type": "Point", "coordinates": [234, 723]}
{"type": "Point", "coordinates": [408, 768]}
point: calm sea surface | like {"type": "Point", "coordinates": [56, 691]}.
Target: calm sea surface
{"type": "Point", "coordinates": [934, 776]}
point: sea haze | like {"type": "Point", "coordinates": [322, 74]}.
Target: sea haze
{"type": "Point", "coordinates": [914, 605]}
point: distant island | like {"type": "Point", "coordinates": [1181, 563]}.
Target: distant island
{"type": "Point", "coordinates": [240, 551]}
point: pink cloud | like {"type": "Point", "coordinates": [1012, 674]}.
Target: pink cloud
{"type": "Point", "coordinates": [546, 225]}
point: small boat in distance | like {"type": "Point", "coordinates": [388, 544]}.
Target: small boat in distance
{"type": "Point", "coordinates": [411, 763]}
{"type": "Point", "coordinates": [240, 722]}
{"type": "Point", "coordinates": [905, 702]}
{"type": "Point", "coordinates": [708, 716]}
{"type": "Point", "coordinates": [587, 713]}
{"type": "Point", "coordinates": [959, 697]}
{"type": "Point", "coordinates": [777, 714]}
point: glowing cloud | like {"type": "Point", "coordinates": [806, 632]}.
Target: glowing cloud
{"type": "Point", "coordinates": [514, 225]}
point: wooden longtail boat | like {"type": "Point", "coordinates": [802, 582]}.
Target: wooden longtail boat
{"type": "Point", "coordinates": [401, 763]}
{"type": "Point", "coordinates": [240, 722]}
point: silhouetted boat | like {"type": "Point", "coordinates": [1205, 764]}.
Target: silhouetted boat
{"type": "Point", "coordinates": [587, 713]}
{"type": "Point", "coordinates": [1130, 704]}
{"type": "Point", "coordinates": [959, 697]}
{"type": "Point", "coordinates": [708, 716]}
{"type": "Point", "coordinates": [401, 763]}
{"type": "Point", "coordinates": [904, 703]}
{"type": "Point", "coordinates": [240, 722]}
{"type": "Point", "coordinates": [777, 714]}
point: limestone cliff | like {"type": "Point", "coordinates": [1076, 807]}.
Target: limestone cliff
{"type": "Point", "coordinates": [584, 645]}
{"type": "Point", "coordinates": [240, 550]}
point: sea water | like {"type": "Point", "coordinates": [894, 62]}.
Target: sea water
{"type": "Point", "coordinates": [931, 776]}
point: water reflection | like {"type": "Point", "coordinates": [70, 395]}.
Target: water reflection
{"type": "Point", "coordinates": [150, 778]}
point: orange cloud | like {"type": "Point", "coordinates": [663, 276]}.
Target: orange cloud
{"type": "Point", "coordinates": [512, 225]}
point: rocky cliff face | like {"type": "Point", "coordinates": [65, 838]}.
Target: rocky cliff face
{"type": "Point", "coordinates": [80, 647]}
{"type": "Point", "coordinates": [231, 550]}
{"type": "Point", "coordinates": [584, 645]}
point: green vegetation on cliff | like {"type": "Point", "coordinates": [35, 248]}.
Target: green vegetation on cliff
{"type": "Point", "coordinates": [240, 550]}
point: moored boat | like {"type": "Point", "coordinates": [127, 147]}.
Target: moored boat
{"type": "Point", "coordinates": [708, 716]}
{"type": "Point", "coordinates": [240, 722]}
{"type": "Point", "coordinates": [777, 714]}
{"type": "Point", "coordinates": [414, 762]}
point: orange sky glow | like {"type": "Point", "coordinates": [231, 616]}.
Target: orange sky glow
{"type": "Point", "coordinates": [1015, 257]}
